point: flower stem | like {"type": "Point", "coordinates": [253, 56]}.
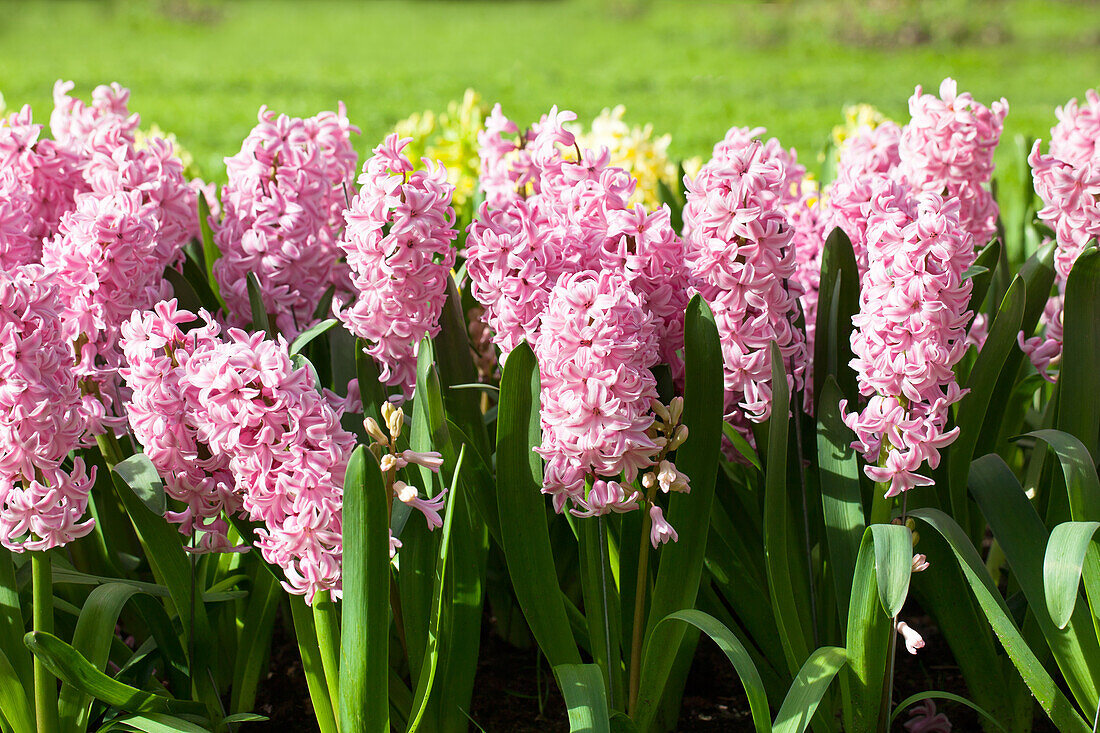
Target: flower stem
{"type": "Point", "coordinates": [328, 640]}
{"type": "Point", "coordinates": [638, 633]}
{"type": "Point", "coordinates": [45, 684]}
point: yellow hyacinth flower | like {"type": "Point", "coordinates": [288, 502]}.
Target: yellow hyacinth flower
{"type": "Point", "coordinates": [635, 150]}
{"type": "Point", "coordinates": [449, 137]}
{"type": "Point", "coordinates": [856, 116]}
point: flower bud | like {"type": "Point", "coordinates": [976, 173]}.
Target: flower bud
{"type": "Point", "coordinates": [678, 437]}
{"type": "Point", "coordinates": [913, 640]}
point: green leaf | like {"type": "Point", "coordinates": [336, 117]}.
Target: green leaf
{"type": "Point", "coordinates": [937, 695]}
{"type": "Point", "coordinates": [981, 272]}
{"type": "Point", "coordinates": [439, 598]}
{"type": "Point", "coordinates": [526, 538]}
{"type": "Point", "coordinates": [95, 628]}
{"type": "Point", "coordinates": [1079, 469]}
{"type": "Point", "coordinates": [1079, 379]}
{"type": "Point", "coordinates": [975, 405]}
{"type": "Point", "coordinates": [15, 705]}
{"type": "Point", "coordinates": [839, 301]}
{"type": "Point", "coordinates": [372, 391]}
{"type": "Point", "coordinates": [164, 550]}
{"type": "Point", "coordinates": [867, 639]}
{"type": "Point", "coordinates": [808, 688]}
{"type": "Point", "coordinates": [324, 305]}
{"type": "Point", "coordinates": [681, 562]}
{"type": "Point", "coordinates": [893, 565]}
{"type": "Point", "coordinates": [582, 687]}
{"type": "Point", "coordinates": [841, 501]}
{"type": "Point", "coordinates": [1020, 532]}
{"type": "Point", "coordinates": [456, 367]}
{"type": "Point", "coordinates": [70, 667]}
{"type": "Point", "coordinates": [141, 476]}
{"type": "Point", "coordinates": [154, 723]}
{"type": "Point", "coordinates": [1045, 690]}
{"type": "Point", "coordinates": [1038, 278]}
{"type": "Point", "coordinates": [306, 636]}
{"type": "Point", "coordinates": [11, 623]}
{"type": "Point", "coordinates": [735, 652]}
{"type": "Point", "coordinates": [742, 446]}
{"type": "Point", "coordinates": [303, 339]}
{"type": "Point", "coordinates": [261, 321]}
{"type": "Point", "coordinates": [210, 250]}
{"type": "Point", "coordinates": [365, 631]}
{"type": "Point", "coordinates": [780, 551]}
{"type": "Point", "coordinates": [1062, 565]}
{"type": "Point", "coordinates": [257, 626]}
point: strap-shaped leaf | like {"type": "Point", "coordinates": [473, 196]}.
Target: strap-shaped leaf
{"type": "Point", "coordinates": [261, 321]}
{"type": "Point", "coordinates": [1062, 565]}
{"type": "Point", "coordinates": [365, 625]}
{"type": "Point", "coordinates": [440, 597]}
{"type": "Point", "coordinates": [938, 695]}
{"type": "Point", "coordinates": [15, 707]}
{"type": "Point", "coordinates": [1079, 379]}
{"type": "Point", "coordinates": [681, 562]}
{"type": "Point", "coordinates": [526, 538]}
{"type": "Point", "coordinates": [893, 565]}
{"type": "Point", "coordinates": [70, 667]}
{"type": "Point", "coordinates": [1045, 690]}
{"type": "Point", "coordinates": [1020, 533]}
{"type": "Point", "coordinates": [141, 476]}
{"type": "Point", "coordinates": [95, 629]}
{"type": "Point", "coordinates": [867, 641]}
{"type": "Point", "coordinates": [305, 337]}
{"type": "Point", "coordinates": [585, 701]}
{"type": "Point", "coordinates": [841, 500]}
{"type": "Point", "coordinates": [973, 408]}
{"type": "Point", "coordinates": [808, 688]}
{"type": "Point", "coordinates": [210, 251]}
{"type": "Point", "coordinates": [839, 301]}
{"type": "Point", "coordinates": [785, 565]}
{"type": "Point", "coordinates": [735, 652]}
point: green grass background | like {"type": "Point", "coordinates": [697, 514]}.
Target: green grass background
{"type": "Point", "coordinates": [693, 69]}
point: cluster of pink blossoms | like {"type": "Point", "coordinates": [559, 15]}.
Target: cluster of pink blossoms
{"type": "Point", "coordinates": [161, 398]}
{"type": "Point", "coordinates": [947, 149]}
{"type": "Point", "coordinates": [1067, 179]}
{"type": "Point", "coordinates": [743, 263]}
{"type": "Point", "coordinates": [106, 216]}
{"type": "Point", "coordinates": [595, 353]}
{"type": "Point", "coordinates": [283, 205]}
{"type": "Point", "coordinates": [236, 427]}
{"type": "Point", "coordinates": [910, 332]}
{"type": "Point", "coordinates": [553, 209]}
{"type": "Point", "coordinates": [41, 503]}
{"type": "Point", "coordinates": [233, 406]}
{"type": "Point", "coordinates": [398, 245]}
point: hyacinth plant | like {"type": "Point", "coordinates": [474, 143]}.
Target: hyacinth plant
{"type": "Point", "coordinates": [612, 411]}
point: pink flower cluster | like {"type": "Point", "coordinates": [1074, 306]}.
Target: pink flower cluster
{"type": "Point", "coordinates": [233, 406]}
{"type": "Point", "coordinates": [288, 187]}
{"type": "Point", "coordinates": [41, 503]}
{"type": "Point", "coordinates": [743, 262]}
{"type": "Point", "coordinates": [398, 245]}
{"type": "Point", "coordinates": [552, 209]}
{"type": "Point", "coordinates": [947, 149]}
{"type": "Point", "coordinates": [1067, 179]}
{"type": "Point", "coordinates": [160, 402]}
{"type": "Point", "coordinates": [595, 352]}
{"type": "Point", "coordinates": [910, 332]}
{"type": "Point", "coordinates": [106, 216]}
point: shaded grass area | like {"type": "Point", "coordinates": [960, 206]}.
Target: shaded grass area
{"type": "Point", "coordinates": [691, 68]}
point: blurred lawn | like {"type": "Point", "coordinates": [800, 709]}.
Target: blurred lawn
{"type": "Point", "coordinates": [691, 68]}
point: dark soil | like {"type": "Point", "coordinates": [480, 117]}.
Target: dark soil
{"type": "Point", "coordinates": [515, 693]}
